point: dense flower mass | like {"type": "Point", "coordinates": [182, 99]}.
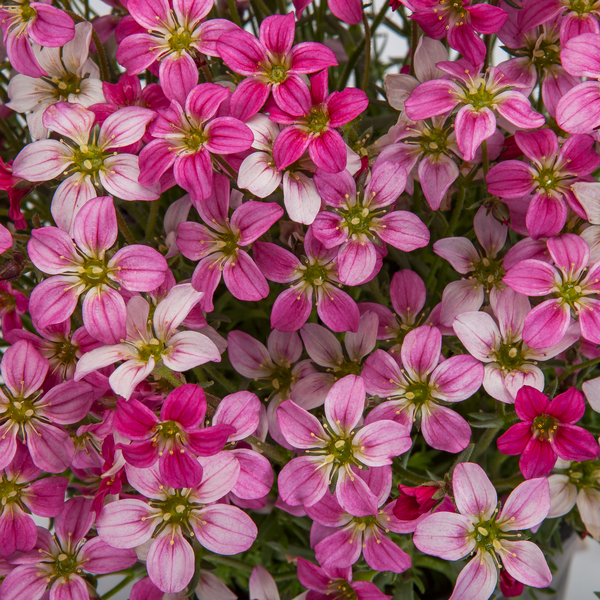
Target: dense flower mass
{"type": "Point", "coordinates": [286, 315]}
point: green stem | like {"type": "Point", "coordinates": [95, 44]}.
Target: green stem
{"type": "Point", "coordinates": [235, 15]}
{"type": "Point", "coordinates": [578, 367]}
{"type": "Point", "coordinates": [275, 453]}
{"type": "Point", "coordinates": [484, 158]}
{"type": "Point", "coordinates": [218, 559]}
{"type": "Point", "coordinates": [460, 203]}
{"type": "Point", "coordinates": [119, 586]}
{"type": "Point", "coordinates": [484, 441]}
{"type": "Point", "coordinates": [414, 41]}
{"type": "Point", "coordinates": [124, 228]}
{"type": "Point", "coordinates": [359, 49]}
{"type": "Point", "coordinates": [167, 374]}
{"type": "Point", "coordinates": [509, 483]}
{"type": "Point", "coordinates": [365, 84]}
{"type": "Point", "coordinates": [216, 376]}
{"type": "Point", "coordinates": [151, 219]}
{"type": "Point", "coordinates": [410, 476]}
{"type": "Point", "coordinates": [263, 7]}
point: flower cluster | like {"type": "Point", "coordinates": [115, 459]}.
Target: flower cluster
{"type": "Point", "coordinates": [264, 328]}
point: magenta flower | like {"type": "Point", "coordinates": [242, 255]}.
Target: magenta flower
{"type": "Point", "coordinates": [218, 244]}
{"type": "Point", "coordinates": [82, 266]}
{"type": "Point", "coordinates": [349, 536]}
{"type": "Point", "coordinates": [46, 25]}
{"type": "Point", "coordinates": [13, 304]}
{"type": "Point", "coordinates": [480, 95]}
{"type": "Point", "coordinates": [571, 283]}
{"type": "Point", "coordinates": [408, 296]}
{"type": "Point", "coordinates": [316, 273]}
{"type": "Point", "coordinates": [335, 584]}
{"type": "Point", "coordinates": [460, 23]}
{"type": "Point", "coordinates": [332, 449]}
{"type": "Point", "coordinates": [186, 138]}
{"type": "Point", "coordinates": [349, 11]}
{"type": "Point", "coordinates": [174, 440]}
{"type": "Point", "coordinates": [484, 270]}
{"type": "Point", "coordinates": [574, 19]}
{"type": "Point", "coordinates": [172, 513]}
{"type": "Point", "coordinates": [58, 560]}
{"type": "Point", "coordinates": [315, 129]}
{"type": "Point", "coordinates": [498, 343]}
{"type": "Point", "coordinates": [38, 417]}
{"type": "Point", "coordinates": [549, 178]}
{"type": "Point", "coordinates": [416, 390]}
{"type": "Point", "coordinates": [150, 341]}
{"type": "Point", "coordinates": [358, 221]}
{"type": "Point", "coordinates": [479, 528]}
{"type": "Point", "coordinates": [171, 34]}
{"type": "Point", "coordinates": [88, 156]}
{"type": "Point", "coordinates": [22, 495]}
{"type": "Point", "coordinates": [270, 64]}
{"type": "Point", "coordinates": [547, 431]}
{"type": "Point", "coordinates": [274, 367]}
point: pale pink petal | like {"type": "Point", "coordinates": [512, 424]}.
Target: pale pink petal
{"type": "Point", "coordinates": [474, 493]}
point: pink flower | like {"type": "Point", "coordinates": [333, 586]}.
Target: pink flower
{"type": "Point", "coordinates": [174, 440]}
{"type": "Point", "coordinates": [479, 528]}
{"type": "Point", "coordinates": [349, 11]}
{"type": "Point", "coordinates": [335, 583]}
{"type": "Point", "coordinates": [414, 392]}
{"type": "Point", "coordinates": [430, 145]}
{"type": "Point", "coordinates": [273, 367]}
{"type": "Point", "coordinates": [408, 296]}
{"type": "Point", "coordinates": [13, 304]}
{"type": "Point", "coordinates": [38, 417]}
{"type": "Point", "coordinates": [23, 494]}
{"type": "Point", "coordinates": [549, 178]}
{"type": "Point", "coordinates": [171, 34]}
{"type": "Point", "coordinates": [60, 346]}
{"type": "Point", "coordinates": [315, 129]}
{"type": "Point", "coordinates": [498, 343]}
{"type": "Point", "coordinates": [83, 267]}
{"type": "Point", "coordinates": [333, 449]}
{"type": "Point", "coordinates": [218, 244]}
{"type": "Point", "coordinates": [579, 109]}
{"type": "Point", "coordinates": [87, 156]}
{"type": "Point", "coordinates": [577, 484]}
{"type": "Point", "coordinates": [186, 138]}
{"type": "Point", "coordinates": [316, 274]}
{"type": "Point", "coordinates": [479, 94]}
{"type": "Point", "coordinates": [459, 22]}
{"type": "Point", "coordinates": [150, 341]}
{"type": "Point", "coordinates": [71, 76]}
{"type": "Point", "coordinates": [571, 283]}
{"type": "Point", "coordinates": [546, 431]}
{"type": "Point", "coordinates": [414, 502]}
{"type": "Point", "coordinates": [58, 560]}
{"type": "Point", "coordinates": [173, 513]}
{"type": "Point", "coordinates": [484, 272]}
{"type": "Point", "coordinates": [44, 24]}
{"type": "Point", "coordinates": [530, 66]}
{"type": "Point", "coordinates": [349, 536]}
{"type": "Point", "coordinates": [270, 64]}
{"type": "Point", "coordinates": [359, 221]}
